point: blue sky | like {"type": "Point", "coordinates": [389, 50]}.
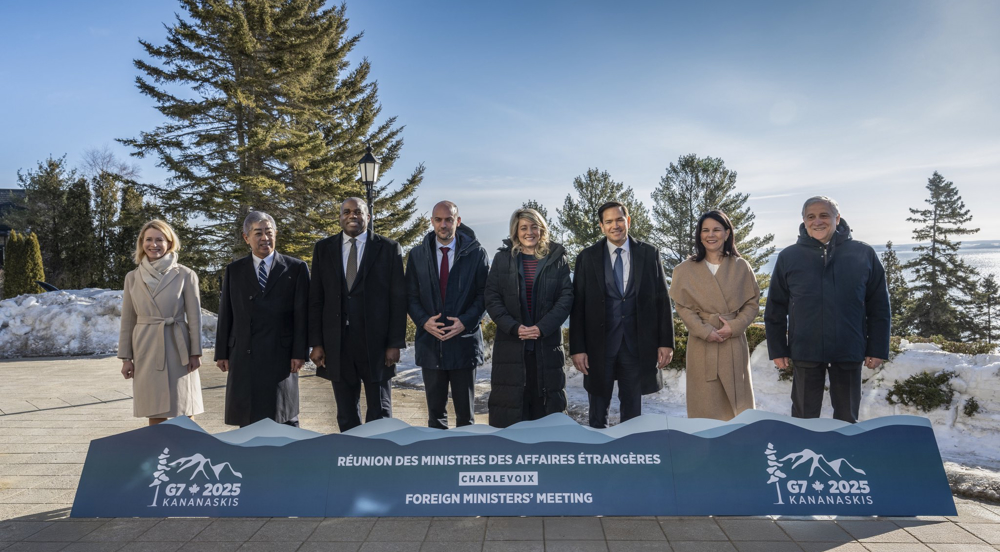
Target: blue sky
{"type": "Point", "coordinates": [505, 101]}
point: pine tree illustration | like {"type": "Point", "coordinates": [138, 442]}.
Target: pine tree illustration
{"type": "Point", "coordinates": [772, 469]}
{"type": "Point", "coordinates": [160, 475]}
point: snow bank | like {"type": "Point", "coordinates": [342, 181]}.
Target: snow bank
{"type": "Point", "coordinates": [69, 322]}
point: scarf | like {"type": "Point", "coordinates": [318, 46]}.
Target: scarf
{"type": "Point", "coordinates": [152, 271]}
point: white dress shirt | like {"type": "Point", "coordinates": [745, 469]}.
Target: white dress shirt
{"type": "Point", "coordinates": [268, 263]}
{"type": "Point", "coordinates": [451, 254]}
{"type": "Point", "coordinates": [346, 249]}
{"type": "Point", "coordinates": [626, 260]}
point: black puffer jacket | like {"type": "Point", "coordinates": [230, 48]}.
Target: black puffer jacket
{"type": "Point", "coordinates": [828, 303]}
{"type": "Point", "coordinates": [506, 302]}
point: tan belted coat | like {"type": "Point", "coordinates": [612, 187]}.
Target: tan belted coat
{"type": "Point", "coordinates": [718, 374]}
{"type": "Point", "coordinates": [159, 332]}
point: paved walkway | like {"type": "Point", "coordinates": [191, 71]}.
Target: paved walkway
{"type": "Point", "coordinates": [50, 410]}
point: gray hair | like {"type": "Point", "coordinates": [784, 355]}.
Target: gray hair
{"type": "Point", "coordinates": [253, 217]}
{"type": "Point", "coordinates": [832, 203]}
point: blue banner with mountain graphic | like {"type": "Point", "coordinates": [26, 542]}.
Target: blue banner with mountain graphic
{"type": "Point", "coordinates": [759, 463]}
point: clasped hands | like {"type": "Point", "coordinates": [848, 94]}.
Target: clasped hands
{"type": "Point", "coordinates": [721, 334]}
{"type": "Point", "coordinates": [442, 331]}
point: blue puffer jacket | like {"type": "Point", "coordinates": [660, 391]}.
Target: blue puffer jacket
{"type": "Point", "coordinates": [828, 303]}
{"type": "Point", "coordinates": [465, 301]}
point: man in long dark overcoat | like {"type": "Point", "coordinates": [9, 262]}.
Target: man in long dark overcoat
{"type": "Point", "coordinates": [261, 336]}
{"type": "Point", "coordinates": [357, 315]}
{"type": "Point", "coordinates": [621, 328]}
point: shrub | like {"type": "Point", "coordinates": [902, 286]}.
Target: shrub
{"type": "Point", "coordinates": [411, 330]}
{"type": "Point", "coordinates": [971, 407]}
{"type": "Point", "coordinates": [755, 336]}
{"type": "Point", "coordinates": [679, 362]}
{"type": "Point", "coordinates": [968, 348]}
{"type": "Point", "coordinates": [925, 391]}
{"type": "Point", "coordinates": [489, 332]}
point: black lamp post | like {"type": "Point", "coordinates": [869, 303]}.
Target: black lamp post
{"type": "Point", "coordinates": [368, 166]}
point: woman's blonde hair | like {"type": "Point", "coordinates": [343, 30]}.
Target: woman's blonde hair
{"type": "Point", "coordinates": [168, 232]}
{"type": "Point", "coordinates": [530, 215]}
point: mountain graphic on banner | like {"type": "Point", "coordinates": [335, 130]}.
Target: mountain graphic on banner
{"type": "Point", "coordinates": [818, 461]}
{"type": "Point", "coordinates": [199, 462]}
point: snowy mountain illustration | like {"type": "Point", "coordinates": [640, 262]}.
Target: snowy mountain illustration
{"type": "Point", "coordinates": [199, 462]}
{"type": "Point", "coordinates": [818, 462]}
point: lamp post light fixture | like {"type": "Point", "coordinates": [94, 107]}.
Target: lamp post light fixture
{"type": "Point", "coordinates": [368, 167]}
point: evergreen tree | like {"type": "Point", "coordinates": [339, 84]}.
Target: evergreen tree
{"type": "Point", "coordinates": [691, 187]}
{"type": "Point", "coordinates": [263, 114]}
{"type": "Point", "coordinates": [899, 291]}
{"type": "Point", "coordinates": [23, 265]}
{"type": "Point", "coordinates": [131, 216]}
{"type": "Point", "coordinates": [78, 238]}
{"type": "Point", "coordinates": [394, 211]}
{"type": "Point", "coordinates": [106, 174]}
{"type": "Point", "coordinates": [532, 204]}
{"type": "Point", "coordinates": [45, 195]}
{"type": "Point", "coordinates": [942, 282]}
{"type": "Point", "coordinates": [578, 217]}
{"type": "Point", "coordinates": [986, 309]}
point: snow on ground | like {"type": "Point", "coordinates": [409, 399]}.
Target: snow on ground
{"type": "Point", "coordinates": [69, 323]}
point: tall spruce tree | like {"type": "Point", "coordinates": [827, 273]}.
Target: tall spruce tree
{"type": "Point", "coordinates": [943, 282]}
{"type": "Point", "coordinates": [22, 266]}
{"type": "Point", "coordinates": [132, 214]}
{"type": "Point", "coordinates": [265, 114]}
{"type": "Point", "coordinates": [986, 310]}
{"type": "Point", "coordinates": [45, 202]}
{"type": "Point", "coordinates": [106, 174]}
{"type": "Point", "coordinates": [691, 187]}
{"type": "Point", "coordinates": [34, 269]}
{"type": "Point", "coordinates": [899, 291]}
{"type": "Point", "coordinates": [78, 242]}
{"type": "Point", "coordinates": [578, 217]}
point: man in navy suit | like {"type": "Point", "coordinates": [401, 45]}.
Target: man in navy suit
{"type": "Point", "coordinates": [357, 315]}
{"type": "Point", "coordinates": [261, 336]}
{"type": "Point", "coordinates": [621, 328]}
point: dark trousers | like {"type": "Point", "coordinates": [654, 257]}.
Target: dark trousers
{"type": "Point", "coordinates": [533, 405]}
{"type": "Point", "coordinates": [808, 380]}
{"type": "Point", "coordinates": [347, 392]}
{"type": "Point", "coordinates": [462, 382]}
{"type": "Point", "coordinates": [625, 368]}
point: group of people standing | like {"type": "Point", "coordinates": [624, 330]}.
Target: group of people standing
{"type": "Point", "coordinates": [827, 314]}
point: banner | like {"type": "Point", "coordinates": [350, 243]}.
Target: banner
{"type": "Point", "coordinates": [757, 464]}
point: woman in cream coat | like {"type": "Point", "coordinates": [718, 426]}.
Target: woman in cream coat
{"type": "Point", "coordinates": [160, 339]}
{"type": "Point", "coordinates": [716, 295]}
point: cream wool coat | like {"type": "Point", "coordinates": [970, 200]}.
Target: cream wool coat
{"type": "Point", "coordinates": [718, 374]}
{"type": "Point", "coordinates": [159, 332]}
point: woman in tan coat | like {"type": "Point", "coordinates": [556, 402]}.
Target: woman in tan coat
{"type": "Point", "coordinates": [160, 338]}
{"type": "Point", "coordinates": [716, 295]}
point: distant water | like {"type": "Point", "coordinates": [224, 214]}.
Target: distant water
{"type": "Point", "coordinates": [982, 255]}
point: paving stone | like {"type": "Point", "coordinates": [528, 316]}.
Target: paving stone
{"type": "Point", "coordinates": [452, 546]}
{"type": "Point", "coordinates": [632, 529]}
{"type": "Point", "coordinates": [262, 546]}
{"type": "Point", "coordinates": [638, 546]}
{"type": "Point", "coordinates": [814, 531]}
{"type": "Point", "coordinates": [576, 546]}
{"type": "Point", "coordinates": [973, 512]}
{"type": "Point", "coordinates": [513, 529]}
{"type": "Point", "coordinates": [290, 530]}
{"type": "Point", "coordinates": [896, 547]}
{"type": "Point", "coordinates": [572, 528]}
{"type": "Point", "coordinates": [120, 530]}
{"type": "Point", "coordinates": [702, 546]}
{"type": "Point", "coordinates": [752, 530]}
{"type": "Point", "coordinates": [470, 529]}
{"type": "Point", "coordinates": [175, 529]}
{"type": "Point", "coordinates": [514, 546]}
{"type": "Point", "coordinates": [876, 531]}
{"type": "Point", "coordinates": [343, 529]}
{"type": "Point", "coordinates": [329, 546]}
{"type": "Point", "coordinates": [210, 546]}
{"type": "Point", "coordinates": [987, 532]}
{"type": "Point", "coordinates": [13, 531]}
{"type": "Point", "coordinates": [398, 530]}
{"type": "Point", "coordinates": [65, 531]}
{"type": "Point", "coordinates": [939, 532]}
{"type": "Point", "coordinates": [93, 547]}
{"type": "Point", "coordinates": [692, 529]}
{"type": "Point", "coordinates": [230, 530]}
{"type": "Point", "coordinates": [832, 547]}
{"type": "Point", "coordinates": [151, 547]}
{"type": "Point", "coordinates": [767, 546]}
{"type": "Point", "coordinates": [961, 548]}
{"type": "Point", "coordinates": [390, 547]}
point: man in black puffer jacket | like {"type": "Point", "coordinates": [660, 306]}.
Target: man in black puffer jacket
{"type": "Point", "coordinates": [828, 312]}
{"type": "Point", "coordinates": [445, 280]}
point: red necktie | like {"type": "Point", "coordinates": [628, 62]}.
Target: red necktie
{"type": "Point", "coordinates": [444, 272]}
